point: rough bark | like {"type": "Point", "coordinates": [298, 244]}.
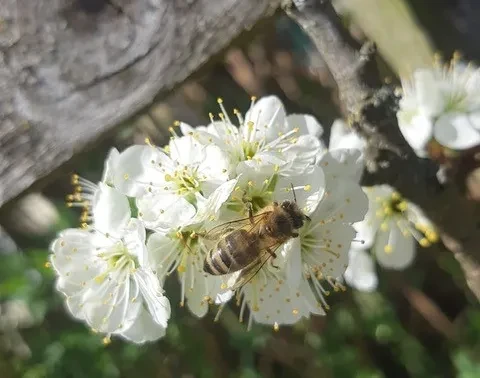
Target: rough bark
{"type": "Point", "coordinates": [70, 70]}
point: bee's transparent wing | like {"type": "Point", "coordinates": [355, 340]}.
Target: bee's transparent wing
{"type": "Point", "coordinates": [237, 280]}
{"type": "Point", "coordinates": [227, 227]}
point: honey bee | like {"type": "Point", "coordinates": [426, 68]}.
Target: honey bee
{"type": "Point", "coordinates": [247, 244]}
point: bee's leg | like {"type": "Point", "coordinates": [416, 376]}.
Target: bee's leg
{"type": "Point", "coordinates": [308, 218]}
{"type": "Point", "coordinates": [250, 212]}
{"type": "Point", "coordinates": [274, 255]}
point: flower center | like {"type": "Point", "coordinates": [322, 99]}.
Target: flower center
{"type": "Point", "coordinates": [249, 149]}
{"type": "Point", "coordinates": [259, 195]}
{"type": "Point", "coordinates": [118, 259]}
{"type": "Point", "coordinates": [395, 207]}
{"type": "Point", "coordinates": [186, 181]}
{"type": "Point", "coordinates": [456, 101]}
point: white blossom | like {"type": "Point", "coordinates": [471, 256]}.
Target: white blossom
{"type": "Point", "coordinates": [104, 272]}
{"type": "Point", "coordinates": [183, 250]}
{"type": "Point", "coordinates": [361, 273]}
{"type": "Point", "coordinates": [167, 185]}
{"type": "Point", "coordinates": [266, 137]}
{"type": "Point", "coordinates": [442, 104]}
{"type": "Point", "coordinates": [324, 242]}
{"type": "Point", "coordinates": [391, 227]}
{"type": "Point", "coordinates": [270, 296]}
{"type": "Point", "coordinates": [85, 191]}
{"type": "Point", "coordinates": [112, 274]}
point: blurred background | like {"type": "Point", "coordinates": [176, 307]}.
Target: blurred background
{"type": "Point", "coordinates": [422, 322]}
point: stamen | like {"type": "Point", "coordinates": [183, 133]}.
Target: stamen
{"type": "Point", "coordinates": [224, 111]}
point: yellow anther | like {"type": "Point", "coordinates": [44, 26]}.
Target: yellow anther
{"type": "Point", "coordinates": [99, 279]}
{"type": "Point", "coordinates": [251, 183]}
{"type": "Point", "coordinates": [424, 242]}
{"type": "Point", "coordinates": [106, 340]}
{"type": "Point", "coordinates": [74, 179]}
{"type": "Point", "coordinates": [148, 142]}
{"type": "Point", "coordinates": [253, 98]}
{"type": "Point", "coordinates": [223, 286]}
{"type": "Point", "coordinates": [384, 226]}
{"type": "Point", "coordinates": [275, 327]}
{"type": "Point", "coordinates": [307, 187]}
{"type": "Point", "coordinates": [402, 206]}
{"type": "Point", "coordinates": [181, 269]}
{"type": "Point", "coordinates": [176, 123]}
{"type": "Point", "coordinates": [396, 196]}
{"type": "Point", "coordinates": [48, 264]}
{"type": "Point", "coordinates": [125, 176]}
{"type": "Point", "coordinates": [220, 100]}
{"type": "Point", "coordinates": [457, 55]}
{"type": "Point", "coordinates": [295, 311]}
{"type": "Point", "coordinates": [168, 177]}
{"type": "Point", "coordinates": [432, 236]}
{"type": "Point", "coordinates": [296, 130]}
{"type": "Point", "coordinates": [388, 248]}
{"type": "Point", "coordinates": [250, 125]}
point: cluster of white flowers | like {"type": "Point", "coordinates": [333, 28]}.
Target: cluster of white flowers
{"type": "Point", "coordinates": [148, 217]}
{"type": "Point", "coordinates": [442, 105]}
{"type": "Point", "coordinates": [389, 229]}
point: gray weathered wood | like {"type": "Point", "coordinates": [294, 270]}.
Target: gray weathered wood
{"type": "Point", "coordinates": [69, 74]}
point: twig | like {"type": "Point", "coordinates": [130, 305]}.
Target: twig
{"type": "Point", "coordinates": [370, 105]}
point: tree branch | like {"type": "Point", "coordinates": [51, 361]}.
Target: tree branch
{"type": "Point", "coordinates": [371, 106]}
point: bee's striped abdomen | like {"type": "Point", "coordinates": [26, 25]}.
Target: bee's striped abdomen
{"type": "Point", "coordinates": [232, 253]}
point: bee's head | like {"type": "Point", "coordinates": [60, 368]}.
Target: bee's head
{"type": "Point", "coordinates": [296, 215]}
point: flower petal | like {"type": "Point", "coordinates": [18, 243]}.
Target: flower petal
{"type": "Point", "coordinates": [186, 150]}
{"type": "Point", "coordinates": [294, 263]}
{"type": "Point", "coordinates": [158, 305]}
{"type": "Point", "coordinates": [143, 329]}
{"type": "Point", "coordinates": [301, 154]}
{"type": "Point", "coordinates": [111, 164]}
{"type": "Point", "coordinates": [325, 247]}
{"type": "Point", "coordinates": [210, 207]}
{"type": "Point", "coordinates": [138, 168]}
{"type": "Point", "coordinates": [269, 118]}
{"type": "Point", "coordinates": [307, 124]}
{"type": "Point", "coordinates": [108, 304]}
{"type": "Point", "coordinates": [417, 129]}
{"type": "Point", "coordinates": [273, 301]}
{"type": "Point", "coordinates": [202, 288]}
{"type": "Point", "coordinates": [456, 131]}
{"type": "Point", "coordinates": [164, 211]}
{"type": "Point", "coordinates": [73, 258]}
{"type": "Point", "coordinates": [309, 189]}
{"type": "Point", "coordinates": [341, 136]}
{"type": "Point", "coordinates": [393, 249]}
{"type": "Point", "coordinates": [163, 252]}
{"type": "Point", "coordinates": [111, 211]}
{"type": "Point", "coordinates": [134, 237]}
{"type": "Point", "coordinates": [475, 118]}
{"type": "Point", "coordinates": [361, 273]}
{"type": "Point", "coordinates": [428, 95]}
{"type": "Point", "coordinates": [342, 162]}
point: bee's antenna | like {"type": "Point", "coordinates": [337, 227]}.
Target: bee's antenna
{"type": "Point", "coordinates": [294, 195]}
